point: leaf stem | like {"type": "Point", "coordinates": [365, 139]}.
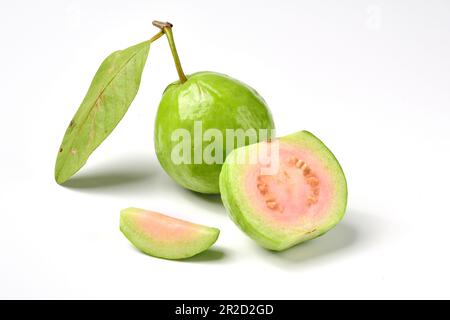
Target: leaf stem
{"type": "Point", "coordinates": [157, 36]}
{"type": "Point", "coordinates": [166, 28]}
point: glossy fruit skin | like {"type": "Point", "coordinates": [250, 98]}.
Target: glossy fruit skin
{"type": "Point", "coordinates": [219, 102]}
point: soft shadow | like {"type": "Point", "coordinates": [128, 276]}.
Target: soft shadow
{"type": "Point", "coordinates": [356, 229]}
{"type": "Point", "coordinates": [123, 172]}
{"type": "Point", "coordinates": [210, 198]}
{"type": "Point", "coordinates": [100, 180]}
{"type": "Point", "coordinates": [209, 202]}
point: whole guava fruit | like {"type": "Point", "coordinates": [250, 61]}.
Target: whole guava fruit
{"type": "Point", "coordinates": [193, 121]}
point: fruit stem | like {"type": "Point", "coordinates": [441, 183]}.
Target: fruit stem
{"type": "Point", "coordinates": [166, 28]}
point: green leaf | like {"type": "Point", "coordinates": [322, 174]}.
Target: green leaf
{"type": "Point", "coordinates": [112, 90]}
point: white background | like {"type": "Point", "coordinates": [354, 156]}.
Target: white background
{"type": "Point", "coordinates": [370, 78]}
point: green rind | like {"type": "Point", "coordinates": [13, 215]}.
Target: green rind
{"type": "Point", "coordinates": [159, 248]}
{"type": "Point", "coordinates": [109, 96]}
{"type": "Point", "coordinates": [243, 213]}
{"type": "Point", "coordinates": [220, 102]}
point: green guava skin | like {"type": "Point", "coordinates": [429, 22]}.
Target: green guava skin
{"type": "Point", "coordinates": [219, 102]}
{"type": "Point", "coordinates": [241, 206]}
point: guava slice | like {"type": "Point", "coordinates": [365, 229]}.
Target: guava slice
{"type": "Point", "coordinates": [303, 196]}
{"type": "Point", "coordinates": [165, 237]}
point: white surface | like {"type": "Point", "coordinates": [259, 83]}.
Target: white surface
{"type": "Point", "coordinates": [371, 78]}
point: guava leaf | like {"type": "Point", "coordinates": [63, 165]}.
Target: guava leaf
{"type": "Point", "coordinates": [110, 94]}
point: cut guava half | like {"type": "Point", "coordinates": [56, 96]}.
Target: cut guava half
{"type": "Point", "coordinates": [165, 237]}
{"type": "Point", "coordinates": [295, 192]}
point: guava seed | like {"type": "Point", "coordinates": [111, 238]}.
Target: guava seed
{"type": "Point", "coordinates": [313, 181]}
{"type": "Point", "coordinates": [306, 170]}
{"type": "Point", "coordinates": [292, 161]}
{"type": "Point", "coordinates": [299, 164]}
{"type": "Point", "coordinates": [312, 200]}
{"type": "Point", "coordinates": [271, 204]}
{"type": "Point", "coordinates": [262, 187]}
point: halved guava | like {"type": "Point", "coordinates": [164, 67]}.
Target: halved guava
{"type": "Point", "coordinates": [296, 192]}
{"type": "Point", "coordinates": [165, 237]}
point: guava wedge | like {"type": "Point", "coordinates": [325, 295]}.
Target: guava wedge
{"type": "Point", "coordinates": [165, 237]}
{"type": "Point", "coordinates": [297, 193]}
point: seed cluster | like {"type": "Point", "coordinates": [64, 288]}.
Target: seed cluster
{"type": "Point", "coordinates": [311, 180]}
{"type": "Point", "coordinates": [271, 202]}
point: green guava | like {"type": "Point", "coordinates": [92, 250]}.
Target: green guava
{"type": "Point", "coordinates": [193, 122]}
{"type": "Point", "coordinates": [202, 118]}
{"type": "Point", "coordinates": [284, 192]}
{"type": "Point", "coordinates": [165, 237]}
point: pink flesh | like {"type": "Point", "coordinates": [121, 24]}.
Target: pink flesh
{"type": "Point", "coordinates": [164, 228]}
{"type": "Point", "coordinates": [289, 189]}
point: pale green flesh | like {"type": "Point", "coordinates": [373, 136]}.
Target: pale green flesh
{"type": "Point", "coordinates": [219, 102]}
{"type": "Point", "coordinates": [110, 94]}
{"type": "Point", "coordinates": [242, 210]}
{"type": "Point", "coordinates": [173, 239]}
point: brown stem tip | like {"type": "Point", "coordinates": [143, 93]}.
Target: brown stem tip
{"type": "Point", "coordinates": [162, 25]}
